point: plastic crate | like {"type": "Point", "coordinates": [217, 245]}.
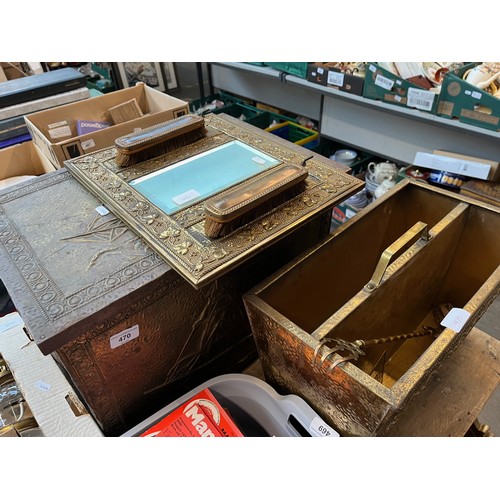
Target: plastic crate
{"type": "Point", "coordinates": [268, 119]}
{"type": "Point", "coordinates": [293, 68]}
{"type": "Point", "coordinates": [242, 111]}
{"type": "Point", "coordinates": [327, 147]}
{"type": "Point", "coordinates": [227, 99]}
{"type": "Point", "coordinates": [296, 133]}
{"type": "Point", "coordinates": [255, 406]}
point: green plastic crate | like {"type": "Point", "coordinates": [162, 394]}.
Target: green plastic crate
{"type": "Point", "coordinates": [227, 99]}
{"type": "Point", "coordinates": [327, 147]}
{"type": "Point", "coordinates": [238, 110]}
{"type": "Point", "coordinates": [268, 119]}
{"type": "Point", "coordinates": [296, 133]}
{"type": "Point", "coordinates": [294, 68]}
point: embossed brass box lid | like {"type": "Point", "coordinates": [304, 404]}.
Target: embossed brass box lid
{"type": "Point", "coordinates": [66, 267]}
{"type": "Point", "coordinates": [163, 200]}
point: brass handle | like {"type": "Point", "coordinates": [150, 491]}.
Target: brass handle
{"type": "Point", "coordinates": [418, 231]}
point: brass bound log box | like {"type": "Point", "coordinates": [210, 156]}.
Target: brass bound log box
{"type": "Point", "coordinates": [131, 332]}
{"type": "Point", "coordinates": [357, 324]}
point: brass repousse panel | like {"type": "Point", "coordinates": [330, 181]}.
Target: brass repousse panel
{"type": "Point", "coordinates": [179, 238]}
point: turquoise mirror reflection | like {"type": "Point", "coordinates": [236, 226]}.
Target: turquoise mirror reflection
{"type": "Point", "coordinates": [201, 176]}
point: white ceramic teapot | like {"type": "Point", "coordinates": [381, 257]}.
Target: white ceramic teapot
{"type": "Point", "coordinates": [383, 170]}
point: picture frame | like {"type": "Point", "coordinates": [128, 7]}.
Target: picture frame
{"type": "Point", "coordinates": [170, 72]}
{"type": "Point", "coordinates": [160, 76]}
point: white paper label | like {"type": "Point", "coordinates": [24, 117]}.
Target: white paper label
{"type": "Point", "coordinates": [397, 98]}
{"type": "Point", "coordinates": [185, 197]}
{"type": "Point", "coordinates": [349, 213]}
{"type": "Point", "coordinates": [384, 82]}
{"type": "Point", "coordinates": [456, 319]}
{"type": "Point", "coordinates": [11, 323]}
{"type": "Point", "coordinates": [102, 210]}
{"type": "Point", "coordinates": [468, 92]}
{"type": "Point", "coordinates": [60, 132]}
{"type": "Point", "coordinates": [259, 160]}
{"type": "Point", "coordinates": [335, 78]}
{"type": "Point", "coordinates": [476, 95]}
{"type": "Point", "coordinates": [320, 71]}
{"type": "Point", "coordinates": [398, 82]}
{"type": "Point", "coordinates": [319, 428]}
{"type": "Point", "coordinates": [87, 144]}
{"type": "Point", "coordinates": [372, 68]}
{"type": "Point", "coordinates": [124, 337]}
{"type": "Point", "coordinates": [420, 99]}
{"type": "Point", "coordinates": [43, 386]}
{"type": "Point", "coordinates": [50, 126]}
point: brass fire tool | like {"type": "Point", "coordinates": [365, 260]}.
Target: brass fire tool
{"type": "Point", "coordinates": [355, 348]}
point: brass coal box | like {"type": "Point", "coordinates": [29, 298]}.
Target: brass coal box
{"type": "Point", "coordinates": [357, 324]}
{"type": "Point", "coordinates": [126, 325]}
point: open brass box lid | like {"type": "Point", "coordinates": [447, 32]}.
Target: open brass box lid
{"type": "Point", "coordinates": [163, 200]}
{"type": "Point", "coordinates": [357, 324]}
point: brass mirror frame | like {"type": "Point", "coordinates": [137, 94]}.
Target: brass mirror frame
{"type": "Point", "coordinates": [179, 238]}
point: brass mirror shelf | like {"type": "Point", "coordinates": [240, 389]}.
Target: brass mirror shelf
{"type": "Point", "coordinates": [163, 199]}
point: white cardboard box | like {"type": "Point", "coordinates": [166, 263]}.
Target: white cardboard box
{"type": "Point", "coordinates": [454, 165]}
{"type": "Point", "coordinates": [49, 395]}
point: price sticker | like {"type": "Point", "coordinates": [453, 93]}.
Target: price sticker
{"type": "Point", "coordinates": [102, 210]}
{"type": "Point", "coordinates": [319, 428]}
{"type": "Point", "coordinates": [335, 78]}
{"type": "Point", "coordinates": [456, 319]}
{"type": "Point", "coordinates": [43, 386]}
{"type": "Point", "coordinates": [259, 160]}
{"type": "Point", "coordinates": [185, 197]}
{"type": "Point", "coordinates": [385, 83]}
{"type": "Point", "coordinates": [420, 99]}
{"type": "Point", "coordinates": [123, 337]}
{"type": "Point", "coordinates": [12, 322]}
{"type": "Point", "coordinates": [88, 144]}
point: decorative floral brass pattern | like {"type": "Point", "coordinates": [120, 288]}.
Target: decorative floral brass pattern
{"type": "Point", "coordinates": [179, 238]}
{"type": "Point", "coordinates": [53, 302]}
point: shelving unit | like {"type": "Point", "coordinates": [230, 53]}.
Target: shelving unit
{"type": "Point", "coordinates": [383, 129]}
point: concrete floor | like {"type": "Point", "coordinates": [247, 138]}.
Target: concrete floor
{"type": "Point", "coordinates": [489, 323]}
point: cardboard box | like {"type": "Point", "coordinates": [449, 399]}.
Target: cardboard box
{"type": "Point", "coordinates": [53, 402]}
{"type": "Point", "coordinates": [457, 164]}
{"type": "Point", "coordinates": [156, 106]}
{"type": "Point", "coordinates": [494, 173]}
{"type": "Point", "coordinates": [386, 86]}
{"type": "Point", "coordinates": [23, 159]}
{"type": "Point", "coordinates": [328, 76]}
{"type": "Point", "coordinates": [468, 103]}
